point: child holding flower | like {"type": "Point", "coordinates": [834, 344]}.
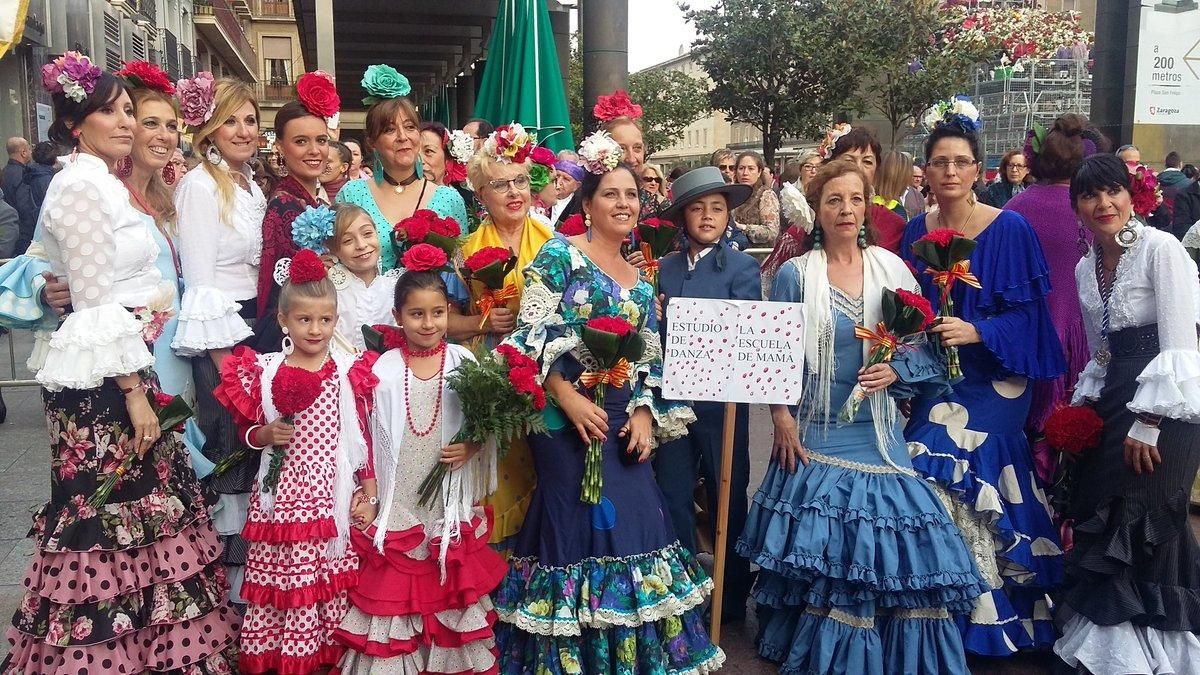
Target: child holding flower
{"type": "Point", "coordinates": [421, 604]}
{"type": "Point", "coordinates": [305, 407]}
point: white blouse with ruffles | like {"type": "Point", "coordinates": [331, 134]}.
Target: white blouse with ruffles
{"type": "Point", "coordinates": [220, 254]}
{"type": "Point", "coordinates": [94, 238]}
{"type": "Point", "coordinates": [1156, 282]}
{"type": "Point", "coordinates": [360, 304]}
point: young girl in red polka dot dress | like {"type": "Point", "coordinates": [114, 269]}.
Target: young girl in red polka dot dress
{"type": "Point", "coordinates": [421, 604]}
{"type": "Point", "coordinates": [299, 565]}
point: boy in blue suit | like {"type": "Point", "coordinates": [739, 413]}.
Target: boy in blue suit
{"type": "Point", "coordinates": [707, 266]}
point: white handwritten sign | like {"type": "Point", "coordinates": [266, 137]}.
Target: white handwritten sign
{"type": "Point", "coordinates": [737, 351]}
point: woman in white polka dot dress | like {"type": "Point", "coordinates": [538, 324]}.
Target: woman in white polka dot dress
{"type": "Point", "coordinates": [130, 581]}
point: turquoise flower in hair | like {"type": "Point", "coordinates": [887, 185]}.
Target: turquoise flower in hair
{"type": "Point", "coordinates": [383, 82]}
{"type": "Point", "coordinates": [313, 228]}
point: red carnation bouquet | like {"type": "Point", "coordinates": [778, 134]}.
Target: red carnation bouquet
{"type": "Point", "coordinates": [425, 226]}
{"type": "Point", "coordinates": [573, 226]}
{"type": "Point", "coordinates": [1074, 429]}
{"type": "Point", "coordinates": [1144, 191]}
{"type": "Point", "coordinates": [293, 391]}
{"type": "Point", "coordinates": [487, 268]}
{"type": "Point", "coordinates": [904, 318]}
{"type": "Point", "coordinates": [172, 412]}
{"type": "Point", "coordinates": [500, 398]}
{"type": "Point", "coordinates": [148, 75]}
{"type": "Point", "coordinates": [615, 344]}
{"type": "Point", "coordinates": [947, 256]}
{"type": "Point", "coordinates": [656, 238]}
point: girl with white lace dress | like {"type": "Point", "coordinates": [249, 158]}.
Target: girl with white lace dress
{"type": "Point", "coordinates": [365, 295]}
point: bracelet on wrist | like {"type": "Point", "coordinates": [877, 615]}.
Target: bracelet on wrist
{"type": "Point", "coordinates": [249, 438]}
{"type": "Point", "coordinates": [1148, 419]}
{"type": "Point", "coordinates": [140, 386]}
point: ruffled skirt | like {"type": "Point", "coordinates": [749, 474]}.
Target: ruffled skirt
{"type": "Point", "coordinates": [1132, 598]}
{"type": "Point", "coordinates": [403, 619]}
{"type": "Point", "coordinates": [973, 445]}
{"type": "Point", "coordinates": [861, 567]}
{"type": "Point", "coordinates": [604, 588]}
{"type": "Point", "coordinates": [132, 585]}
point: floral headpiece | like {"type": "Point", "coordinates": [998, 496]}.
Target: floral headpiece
{"type": "Point", "coordinates": [832, 134]}
{"type": "Point", "coordinates": [958, 112]}
{"type": "Point", "coordinates": [618, 104]}
{"type": "Point", "coordinates": [460, 145]}
{"type": "Point", "coordinates": [1035, 138]}
{"type": "Point", "coordinates": [424, 258]}
{"type": "Point", "coordinates": [1144, 190]}
{"type": "Point", "coordinates": [144, 75]}
{"type": "Point", "coordinates": [312, 228]}
{"type": "Point", "coordinates": [540, 170]}
{"type": "Point", "coordinates": [303, 268]}
{"type": "Point", "coordinates": [383, 82]}
{"type": "Point", "coordinates": [73, 75]}
{"type": "Point", "coordinates": [599, 153]}
{"type": "Point", "coordinates": [196, 99]}
{"type": "Point", "coordinates": [318, 95]}
{"type": "Point", "coordinates": [792, 202]}
{"type": "Point", "coordinates": [510, 144]}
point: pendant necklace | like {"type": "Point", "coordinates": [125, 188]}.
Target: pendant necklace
{"type": "Point", "coordinates": [1103, 352]}
{"type": "Point", "coordinates": [399, 185]}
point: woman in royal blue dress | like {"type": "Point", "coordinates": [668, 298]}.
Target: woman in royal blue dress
{"type": "Point", "coordinates": [862, 568]}
{"type": "Point", "coordinates": [603, 588]}
{"type": "Point", "coordinates": [971, 442]}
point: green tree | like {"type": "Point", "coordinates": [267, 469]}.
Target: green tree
{"type": "Point", "coordinates": [787, 67]}
{"type": "Point", "coordinates": [670, 100]}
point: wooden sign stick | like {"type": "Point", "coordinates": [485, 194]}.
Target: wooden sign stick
{"type": "Point", "coordinates": [722, 526]}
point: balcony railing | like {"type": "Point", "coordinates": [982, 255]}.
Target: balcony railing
{"type": "Point", "coordinates": [276, 91]}
{"type": "Point", "coordinates": [226, 18]}
{"type": "Point", "coordinates": [275, 8]}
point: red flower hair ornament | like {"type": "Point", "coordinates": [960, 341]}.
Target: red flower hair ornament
{"type": "Point", "coordinates": [306, 268]}
{"type": "Point", "coordinates": [141, 74]}
{"type": "Point", "coordinates": [318, 95]}
{"type": "Point", "coordinates": [618, 104]}
{"type": "Point", "coordinates": [424, 258]}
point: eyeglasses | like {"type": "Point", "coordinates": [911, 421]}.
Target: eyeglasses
{"type": "Point", "coordinates": [962, 163]}
{"type": "Point", "coordinates": [518, 183]}
{"type": "Point", "coordinates": [1016, 166]}
{"type": "Point", "coordinates": [726, 167]}
{"type": "Point", "coordinates": [808, 167]}
{"type": "Point", "coordinates": [651, 179]}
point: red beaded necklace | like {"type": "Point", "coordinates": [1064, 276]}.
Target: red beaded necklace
{"type": "Point", "coordinates": [408, 353]}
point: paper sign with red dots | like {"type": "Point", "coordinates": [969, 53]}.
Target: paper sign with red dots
{"type": "Point", "coordinates": [737, 351]}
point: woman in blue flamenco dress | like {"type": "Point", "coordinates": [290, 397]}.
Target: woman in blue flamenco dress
{"type": "Point", "coordinates": [971, 442]}
{"type": "Point", "coordinates": [862, 568]}
{"type": "Point", "coordinates": [602, 588]}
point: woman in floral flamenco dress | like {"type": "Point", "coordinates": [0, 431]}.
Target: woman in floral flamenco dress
{"type": "Point", "coordinates": [603, 587]}
{"type": "Point", "coordinates": [129, 581]}
{"type": "Point", "coordinates": [298, 562]}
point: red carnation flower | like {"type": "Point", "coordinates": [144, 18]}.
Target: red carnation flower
{"type": "Point", "coordinates": [573, 226]}
{"type": "Point", "coordinates": [509, 352]}
{"type": "Point", "coordinates": [148, 75]}
{"type": "Point", "coordinates": [941, 237]}
{"type": "Point", "coordinates": [393, 338]}
{"type": "Point", "coordinates": [162, 399]}
{"type": "Point", "coordinates": [306, 267]}
{"type": "Point", "coordinates": [415, 227]}
{"type": "Point", "coordinates": [318, 94]}
{"type": "Point", "coordinates": [1073, 429]}
{"type": "Point", "coordinates": [610, 324]}
{"type": "Point", "coordinates": [544, 156]}
{"type": "Point", "coordinates": [617, 105]}
{"type": "Point", "coordinates": [447, 227]}
{"type": "Point", "coordinates": [423, 258]}
{"type": "Point", "coordinates": [295, 389]}
{"type": "Point", "coordinates": [919, 303]}
{"type": "Point", "coordinates": [490, 255]}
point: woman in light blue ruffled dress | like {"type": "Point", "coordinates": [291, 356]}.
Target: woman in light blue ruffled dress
{"type": "Point", "coordinates": [862, 568]}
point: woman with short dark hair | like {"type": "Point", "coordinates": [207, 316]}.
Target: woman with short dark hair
{"type": "Point", "coordinates": [1014, 177]}
{"type": "Point", "coordinates": [1131, 602]}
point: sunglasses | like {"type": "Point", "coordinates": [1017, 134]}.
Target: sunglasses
{"type": "Point", "coordinates": [726, 167]}
{"type": "Point", "coordinates": [651, 179]}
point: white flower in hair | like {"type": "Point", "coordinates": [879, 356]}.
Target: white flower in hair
{"type": "Point", "coordinates": [965, 108]}
{"type": "Point", "coordinates": [461, 146]}
{"type": "Point", "coordinates": [793, 203]}
{"type": "Point", "coordinates": [600, 153]}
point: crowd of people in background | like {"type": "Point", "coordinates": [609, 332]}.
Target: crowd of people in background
{"type": "Point", "coordinates": [1013, 477]}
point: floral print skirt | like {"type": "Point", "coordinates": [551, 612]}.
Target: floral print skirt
{"type": "Point", "coordinates": [135, 584]}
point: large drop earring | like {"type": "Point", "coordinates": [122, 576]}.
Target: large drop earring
{"type": "Point", "coordinates": [587, 223]}
{"type": "Point", "coordinates": [168, 174]}
{"type": "Point", "coordinates": [378, 170]}
{"type": "Point", "coordinates": [862, 236]}
{"type": "Point", "coordinates": [817, 237]}
{"type": "Point", "coordinates": [418, 168]}
{"type": "Point", "coordinates": [1084, 249]}
{"type": "Point", "coordinates": [1128, 235]}
{"type": "Point", "coordinates": [125, 167]}
{"type": "Point", "coordinates": [213, 156]}
{"type": "Point", "coordinates": [286, 345]}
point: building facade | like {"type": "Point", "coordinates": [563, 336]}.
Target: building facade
{"type": "Point", "coordinates": [276, 40]}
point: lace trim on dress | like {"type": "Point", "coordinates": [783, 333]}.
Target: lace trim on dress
{"type": "Point", "coordinates": [974, 532]}
{"type": "Point", "coordinates": [859, 466]}
{"type": "Point", "coordinates": [864, 622]}
{"type": "Point", "coordinates": [852, 308]}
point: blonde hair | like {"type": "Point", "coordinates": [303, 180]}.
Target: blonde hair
{"type": "Point", "coordinates": [158, 195]}
{"type": "Point", "coordinates": [662, 179]}
{"type": "Point", "coordinates": [893, 175]}
{"type": "Point", "coordinates": [482, 167]}
{"type": "Point", "coordinates": [321, 289]}
{"type": "Point", "coordinates": [344, 216]}
{"type": "Point", "coordinates": [230, 95]}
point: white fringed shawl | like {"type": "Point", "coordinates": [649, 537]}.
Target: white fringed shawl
{"type": "Point", "coordinates": [881, 269]}
{"type": "Point", "coordinates": [350, 454]}
{"type": "Point", "coordinates": [462, 488]}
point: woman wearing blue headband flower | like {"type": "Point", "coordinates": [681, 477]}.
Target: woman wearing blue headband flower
{"type": "Point", "coordinates": [972, 441]}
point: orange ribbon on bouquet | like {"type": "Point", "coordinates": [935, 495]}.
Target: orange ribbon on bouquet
{"type": "Point", "coordinates": [651, 268]}
{"type": "Point", "coordinates": [489, 300]}
{"type": "Point", "coordinates": [959, 271]}
{"type": "Point", "coordinates": [885, 341]}
{"type": "Point", "coordinates": [616, 376]}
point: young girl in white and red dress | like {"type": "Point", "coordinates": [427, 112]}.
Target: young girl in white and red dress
{"type": "Point", "coordinates": [421, 606]}
{"type": "Point", "coordinates": [299, 564]}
